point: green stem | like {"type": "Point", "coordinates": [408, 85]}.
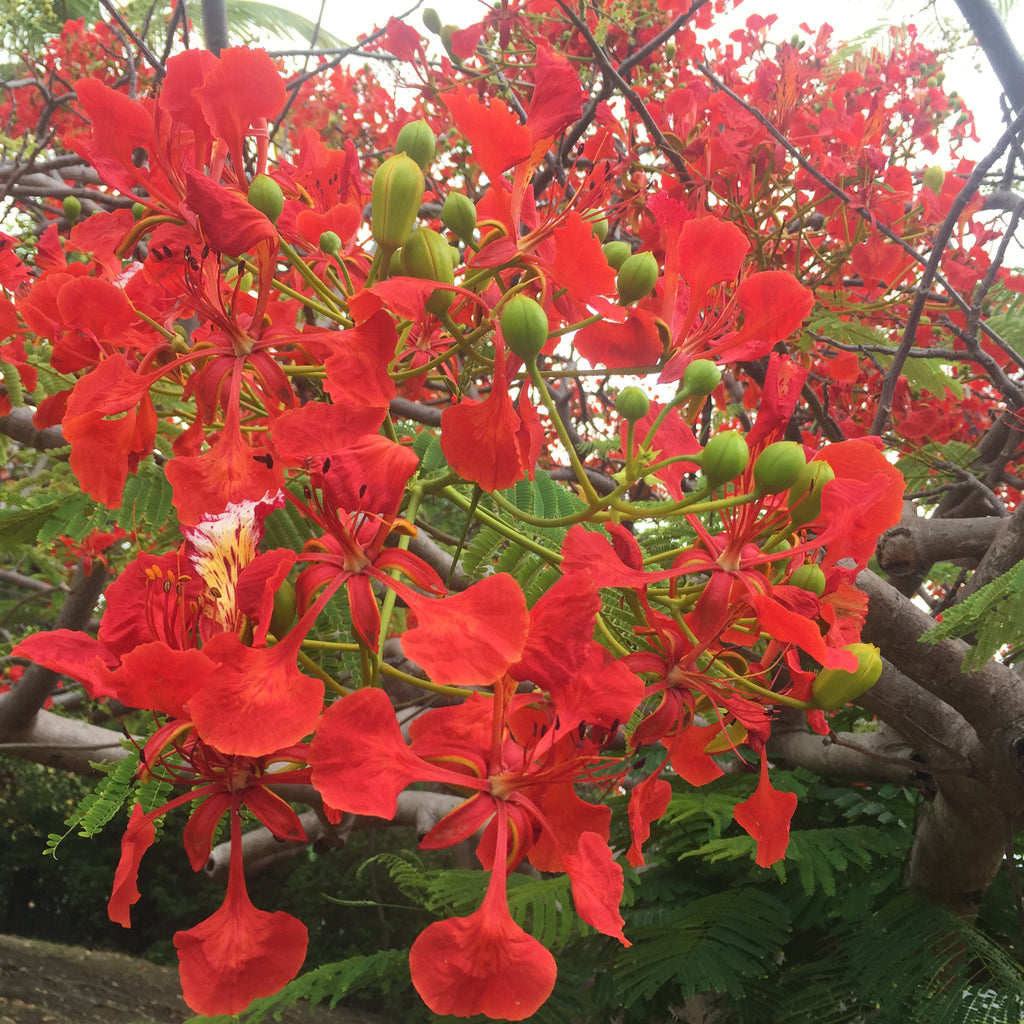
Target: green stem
{"type": "Point", "coordinates": [387, 608]}
{"type": "Point", "coordinates": [563, 435]}
{"type": "Point", "coordinates": [311, 279]}
{"type": "Point", "coordinates": [461, 501]}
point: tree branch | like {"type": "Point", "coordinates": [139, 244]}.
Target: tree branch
{"type": "Point", "coordinates": [19, 706]}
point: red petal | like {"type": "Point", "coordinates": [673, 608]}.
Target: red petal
{"type": "Point", "coordinates": [137, 839]}
{"type": "Point", "coordinates": [579, 264]}
{"type": "Point", "coordinates": [257, 701]}
{"type": "Point", "coordinates": [472, 638]}
{"type": "Point", "coordinates": [497, 138]}
{"type": "Point", "coordinates": [239, 953]}
{"type": "Point", "coordinates": [648, 802]}
{"type": "Point", "coordinates": [766, 817]}
{"type": "Point", "coordinates": [484, 963]}
{"type": "Point", "coordinates": [227, 473]}
{"type": "Point", "coordinates": [774, 305]}
{"type": "Point", "coordinates": [562, 619]}
{"type": "Point", "coordinates": [359, 759]}
{"type": "Point", "coordinates": [226, 219]}
{"type": "Point", "coordinates": [243, 87]}
{"type": "Point", "coordinates": [557, 99]}
{"type": "Point", "coordinates": [596, 885]}
{"type": "Point", "coordinates": [616, 346]}
{"type": "Point", "coordinates": [710, 251]}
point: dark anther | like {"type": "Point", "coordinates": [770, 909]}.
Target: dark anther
{"type": "Point", "coordinates": [362, 490]}
{"type": "Point", "coordinates": [326, 466]}
{"type": "Point", "coordinates": [206, 251]}
{"type": "Point", "coordinates": [167, 251]}
{"type": "Point", "coordinates": [267, 460]}
{"type": "Point", "coordinates": [216, 593]}
{"type": "Point", "coordinates": [187, 251]}
{"type": "Point", "coordinates": [158, 255]}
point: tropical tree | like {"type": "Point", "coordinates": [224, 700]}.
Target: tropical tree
{"type": "Point", "coordinates": [600, 455]}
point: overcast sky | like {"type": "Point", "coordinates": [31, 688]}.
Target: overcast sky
{"type": "Point", "coordinates": [849, 20]}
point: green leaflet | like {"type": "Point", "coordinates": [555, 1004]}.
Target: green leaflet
{"type": "Point", "coordinates": [328, 984]}
{"type": "Point", "coordinates": [995, 613]}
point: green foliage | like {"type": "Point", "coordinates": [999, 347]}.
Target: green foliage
{"type": "Point", "coordinates": [252, 22]}
{"type": "Point", "coordinates": [995, 613]}
{"type": "Point", "coordinates": [714, 944]}
{"type": "Point", "coordinates": [327, 984]}
{"type": "Point", "coordinates": [98, 807]}
{"type": "Point", "coordinates": [60, 509]}
{"type": "Point", "coordinates": [932, 463]}
{"type": "Point", "coordinates": [492, 550]}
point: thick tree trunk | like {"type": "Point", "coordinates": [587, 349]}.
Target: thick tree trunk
{"type": "Point", "coordinates": [961, 837]}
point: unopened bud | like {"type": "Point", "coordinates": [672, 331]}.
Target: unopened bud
{"type": "Point", "coordinates": [637, 276]}
{"type": "Point", "coordinates": [72, 208]}
{"type": "Point", "coordinates": [725, 456]}
{"type": "Point", "coordinates": [805, 495]}
{"type": "Point", "coordinates": [632, 404]}
{"type": "Point", "coordinates": [779, 466]}
{"type": "Point", "coordinates": [458, 214]}
{"type": "Point", "coordinates": [524, 326]}
{"type": "Point", "coordinates": [266, 196]}
{"type": "Point", "coordinates": [396, 194]}
{"type": "Point", "coordinates": [834, 687]}
{"type": "Point", "coordinates": [616, 253]}
{"type": "Point", "coordinates": [417, 140]}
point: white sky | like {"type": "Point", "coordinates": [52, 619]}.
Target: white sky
{"type": "Point", "coordinates": [966, 71]}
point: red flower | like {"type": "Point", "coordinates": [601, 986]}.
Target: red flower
{"type": "Point", "coordinates": [520, 763]}
{"type": "Point", "coordinates": [484, 963]}
{"type": "Point", "coordinates": [239, 953]}
{"type": "Point", "coordinates": [492, 443]}
{"type": "Point", "coordinates": [358, 492]}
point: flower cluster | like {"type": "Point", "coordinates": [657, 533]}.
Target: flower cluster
{"type": "Point", "coordinates": [285, 354]}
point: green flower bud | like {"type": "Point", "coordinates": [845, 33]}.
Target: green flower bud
{"type": "Point", "coordinates": [805, 495]}
{"type": "Point", "coordinates": [725, 456]}
{"type": "Point", "coordinates": [431, 20]}
{"type": "Point", "coordinates": [934, 177]}
{"type": "Point", "coordinates": [458, 214]}
{"type": "Point", "coordinates": [779, 466]}
{"type": "Point", "coordinates": [417, 140]}
{"type": "Point", "coordinates": [632, 404]}
{"type": "Point", "coordinates": [808, 577]}
{"type": "Point", "coordinates": [524, 326]}
{"type": "Point", "coordinates": [330, 243]}
{"type": "Point", "coordinates": [181, 343]}
{"type": "Point", "coordinates": [138, 211]}
{"type": "Point", "coordinates": [637, 276]}
{"type": "Point", "coordinates": [700, 377]}
{"type": "Point", "coordinates": [266, 195]}
{"type": "Point", "coordinates": [427, 255]}
{"type": "Point", "coordinates": [834, 687]}
{"type": "Point", "coordinates": [396, 194]}
{"type": "Point", "coordinates": [284, 610]}
{"type": "Point", "coordinates": [72, 208]}
{"type": "Point", "coordinates": [616, 253]}
{"type": "Point", "coordinates": [600, 228]}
